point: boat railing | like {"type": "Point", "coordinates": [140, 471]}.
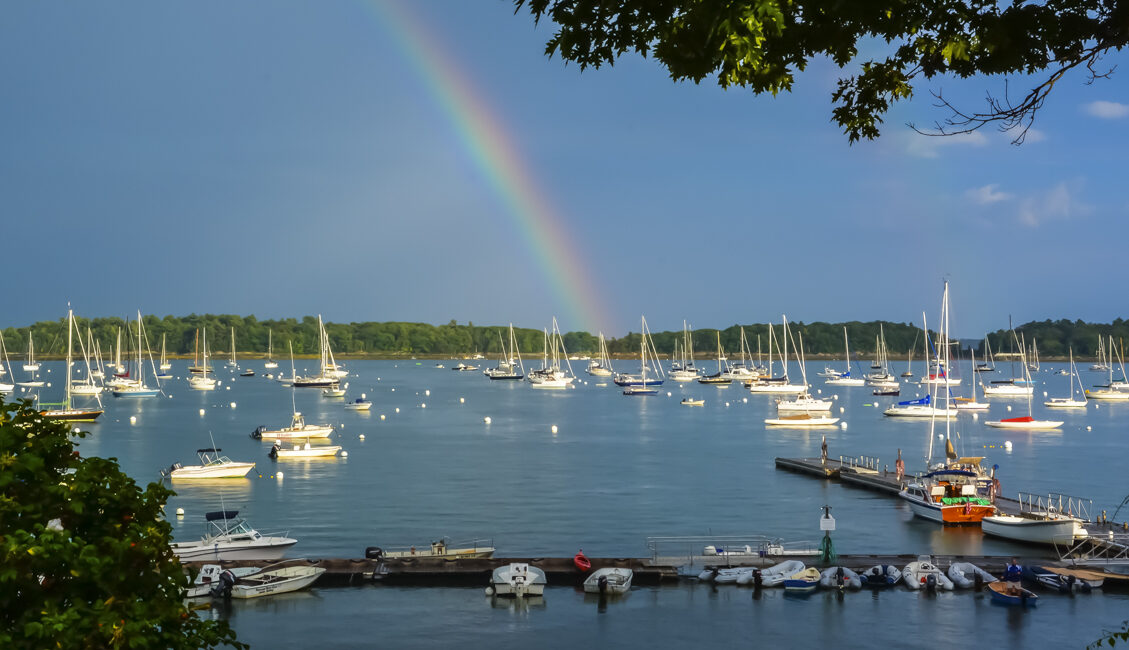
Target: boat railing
{"type": "Point", "coordinates": [1055, 504]}
{"type": "Point", "coordinates": [715, 550]}
{"type": "Point", "coordinates": [1107, 548]}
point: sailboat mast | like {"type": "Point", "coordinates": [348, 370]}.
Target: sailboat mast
{"type": "Point", "coordinates": [70, 343]}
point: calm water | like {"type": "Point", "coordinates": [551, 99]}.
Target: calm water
{"type": "Point", "coordinates": [618, 469]}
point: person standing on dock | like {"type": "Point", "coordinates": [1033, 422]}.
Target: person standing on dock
{"type": "Point", "coordinates": [900, 466]}
{"type": "Point", "coordinates": [823, 451]}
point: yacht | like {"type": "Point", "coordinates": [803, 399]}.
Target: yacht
{"type": "Point", "coordinates": [227, 537]}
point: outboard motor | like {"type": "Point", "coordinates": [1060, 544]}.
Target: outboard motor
{"type": "Point", "coordinates": [273, 453]}
{"type": "Point", "coordinates": [840, 578]}
{"type": "Point", "coordinates": [257, 434]}
{"type": "Point", "coordinates": [224, 585]}
{"type": "Point", "coordinates": [602, 583]}
{"type": "Point", "coordinates": [1067, 585]}
{"type": "Point", "coordinates": [758, 579]}
{"type": "Point", "coordinates": [931, 582]}
{"type": "Point", "coordinates": [374, 553]}
{"type": "Point", "coordinates": [977, 582]}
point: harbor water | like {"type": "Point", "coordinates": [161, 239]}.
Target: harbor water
{"type": "Point", "coordinates": [587, 467]}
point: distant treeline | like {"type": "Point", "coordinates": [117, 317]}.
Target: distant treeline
{"type": "Point", "coordinates": [1053, 337]}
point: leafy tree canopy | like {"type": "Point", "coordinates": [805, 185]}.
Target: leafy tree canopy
{"type": "Point", "coordinates": [761, 44]}
{"type": "Point", "coordinates": [86, 557]}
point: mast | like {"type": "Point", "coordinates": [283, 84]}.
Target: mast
{"type": "Point", "coordinates": [233, 362]}
{"type": "Point", "coordinates": [70, 344]}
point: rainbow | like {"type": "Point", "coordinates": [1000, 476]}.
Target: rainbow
{"type": "Point", "coordinates": [500, 163]}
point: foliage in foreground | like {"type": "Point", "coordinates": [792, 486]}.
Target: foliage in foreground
{"type": "Point", "coordinates": [86, 557]}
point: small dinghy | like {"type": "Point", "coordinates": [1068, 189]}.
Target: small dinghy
{"type": "Point", "coordinates": [881, 576]}
{"type": "Point", "coordinates": [805, 581]}
{"type": "Point", "coordinates": [1003, 594]}
{"type": "Point", "coordinates": [740, 575]}
{"type": "Point", "coordinates": [334, 391]}
{"type": "Point", "coordinates": [518, 580]}
{"type": "Point", "coordinates": [1064, 584]}
{"type": "Point", "coordinates": [610, 580]}
{"type": "Point", "coordinates": [359, 404]}
{"type": "Point", "coordinates": [210, 579]}
{"type": "Point", "coordinates": [923, 574]}
{"type": "Point", "coordinates": [581, 562]}
{"type": "Point", "coordinates": [966, 575]}
{"type": "Point", "coordinates": [246, 373]}
{"type": "Point", "coordinates": [775, 576]}
{"type": "Point", "coordinates": [693, 402]}
{"type": "Point", "coordinates": [276, 581]}
{"type": "Point", "coordinates": [838, 577]}
{"type": "Point", "coordinates": [277, 451]}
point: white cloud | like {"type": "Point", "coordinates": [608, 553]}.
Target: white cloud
{"type": "Point", "coordinates": [1058, 203]}
{"type": "Point", "coordinates": [927, 146]}
{"type": "Point", "coordinates": [1033, 136]}
{"type": "Point", "coordinates": [1107, 110]}
{"type": "Point", "coordinates": [987, 195]}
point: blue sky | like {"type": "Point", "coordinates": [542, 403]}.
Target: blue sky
{"type": "Point", "coordinates": [284, 158]}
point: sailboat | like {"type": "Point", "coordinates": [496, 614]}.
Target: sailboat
{"type": "Point", "coordinates": [924, 407]}
{"type": "Point", "coordinates": [4, 387]}
{"type": "Point", "coordinates": [87, 385]}
{"type": "Point", "coordinates": [1033, 364]}
{"type": "Point", "coordinates": [232, 363]}
{"type": "Point", "coordinates": [270, 362]}
{"type": "Point", "coordinates": [685, 370]}
{"type": "Point", "coordinates": [720, 377]}
{"type": "Point", "coordinates": [99, 370]}
{"type": "Point", "coordinates": [1102, 364]}
{"type": "Point", "coordinates": [510, 366]}
{"type": "Point", "coordinates": [601, 366]}
{"type": "Point", "coordinates": [202, 381]}
{"type": "Point", "coordinates": [164, 365]}
{"type": "Point", "coordinates": [881, 377]}
{"type": "Point", "coordinates": [970, 404]}
{"type": "Point", "coordinates": [1111, 391]}
{"type": "Point", "coordinates": [137, 387]}
{"type": "Point", "coordinates": [119, 367]}
{"type": "Point", "coordinates": [949, 494]}
{"type": "Point", "coordinates": [803, 404]}
{"type": "Point", "coordinates": [1028, 421]}
{"type": "Point", "coordinates": [64, 410]}
{"type": "Point", "coordinates": [327, 367]}
{"type": "Point", "coordinates": [909, 359]}
{"type": "Point", "coordinates": [770, 384]}
{"type": "Point", "coordinates": [550, 374]}
{"type": "Point", "coordinates": [642, 385]}
{"type": "Point", "coordinates": [845, 378]}
{"type": "Point", "coordinates": [742, 370]}
{"type": "Point", "coordinates": [32, 365]}
{"type": "Point", "coordinates": [990, 364]}
{"type": "Point", "coordinates": [1069, 402]}
{"type": "Point", "coordinates": [1017, 386]}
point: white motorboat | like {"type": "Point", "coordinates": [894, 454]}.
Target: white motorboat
{"type": "Point", "coordinates": [610, 580]}
{"type": "Point", "coordinates": [881, 576]}
{"type": "Point", "coordinates": [335, 391]}
{"type": "Point", "coordinates": [801, 420]}
{"type": "Point", "coordinates": [276, 581]}
{"type": "Point", "coordinates": [228, 537]}
{"type": "Point", "coordinates": [838, 577]}
{"type": "Point", "coordinates": [689, 401]}
{"type": "Point", "coordinates": [278, 452]}
{"type": "Point", "coordinates": [297, 429]}
{"type": "Point", "coordinates": [442, 548]}
{"type": "Point", "coordinates": [966, 575]}
{"type": "Point", "coordinates": [211, 466]}
{"type": "Point", "coordinates": [1043, 530]}
{"type": "Point", "coordinates": [803, 403]}
{"type": "Point", "coordinates": [359, 404]}
{"type": "Point", "coordinates": [518, 579]}
{"type": "Point", "coordinates": [210, 580]}
{"type": "Point", "coordinates": [923, 574]}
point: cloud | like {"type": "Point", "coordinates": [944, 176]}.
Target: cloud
{"type": "Point", "coordinates": [1107, 110]}
{"type": "Point", "coordinates": [1033, 136]}
{"type": "Point", "coordinates": [987, 195]}
{"type": "Point", "coordinates": [927, 146]}
{"type": "Point", "coordinates": [1058, 203]}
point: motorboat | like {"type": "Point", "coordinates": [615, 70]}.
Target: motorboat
{"type": "Point", "coordinates": [518, 579]}
{"type": "Point", "coordinates": [923, 574]}
{"type": "Point", "coordinates": [1006, 594]}
{"type": "Point", "coordinates": [949, 496]}
{"type": "Point", "coordinates": [881, 576]}
{"type": "Point", "coordinates": [275, 581]}
{"type": "Point", "coordinates": [334, 391]}
{"type": "Point", "coordinates": [609, 580]}
{"type": "Point", "coordinates": [359, 404]}
{"type": "Point", "coordinates": [891, 392]}
{"type": "Point", "coordinates": [966, 575]}
{"type": "Point", "coordinates": [210, 580]}
{"type": "Point", "coordinates": [247, 373]}
{"type": "Point", "coordinates": [841, 578]}
{"type": "Point", "coordinates": [689, 401]}
{"type": "Point", "coordinates": [297, 429]}
{"type": "Point", "coordinates": [1046, 530]}
{"type": "Point", "coordinates": [212, 465]}
{"type": "Point", "coordinates": [228, 537]}
{"type": "Point", "coordinates": [801, 420]}
{"type": "Point", "coordinates": [1063, 584]}
{"type": "Point", "coordinates": [1024, 422]}
{"type": "Point", "coordinates": [463, 367]}
{"type": "Point", "coordinates": [442, 548]}
{"type": "Point", "coordinates": [805, 581]}
{"type": "Point", "coordinates": [803, 403]}
{"type": "Point", "coordinates": [278, 452]}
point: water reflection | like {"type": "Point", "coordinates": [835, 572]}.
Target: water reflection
{"type": "Point", "coordinates": [518, 605]}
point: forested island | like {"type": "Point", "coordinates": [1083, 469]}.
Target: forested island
{"type": "Point", "coordinates": [397, 339]}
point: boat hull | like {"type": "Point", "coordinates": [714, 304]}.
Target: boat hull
{"type": "Point", "coordinates": [265, 548]}
{"type": "Point", "coordinates": [1031, 531]}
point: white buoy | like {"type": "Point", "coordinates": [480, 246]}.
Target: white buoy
{"type": "Point", "coordinates": [1007, 445]}
{"type": "Point", "coordinates": [393, 390]}
{"type": "Point", "coordinates": [489, 591]}
{"type": "Point", "coordinates": [381, 416]}
{"type": "Point", "coordinates": [1009, 408]}
{"type": "Point", "coordinates": [744, 400]}
{"type": "Point", "coordinates": [201, 412]}
{"type": "Point", "coordinates": [841, 409]}
{"type": "Point", "coordinates": [843, 426]}
{"type": "Point", "coordinates": [819, 391]}
{"type": "Point", "coordinates": [486, 419]}
{"type": "Point", "coordinates": [361, 437]}
{"type": "Point", "coordinates": [48, 383]}
{"type": "Point", "coordinates": [876, 405]}
{"type": "Point", "coordinates": [180, 512]}
{"type": "Point", "coordinates": [397, 409]}
{"type": "Point", "coordinates": [344, 454]}
{"type": "Point", "coordinates": [462, 400]}
{"type": "Point", "coordinates": [423, 405]}
{"type": "Point", "coordinates": [362, 396]}
{"type": "Point", "coordinates": [727, 405]}
{"type": "Point", "coordinates": [75, 430]}
{"type": "Point", "coordinates": [1089, 428]}
{"type": "Point", "coordinates": [553, 428]}
{"type": "Point", "coordinates": [1044, 393]}
{"type": "Point", "coordinates": [668, 393]}
{"type": "Point", "coordinates": [427, 392]}
{"type": "Point", "coordinates": [279, 475]}
{"type": "Point", "coordinates": [835, 396]}
{"type": "Point", "coordinates": [226, 387]}
{"type": "Point", "coordinates": [133, 419]}
{"type": "Point", "coordinates": [233, 405]}
{"type": "Point", "coordinates": [975, 416]}
{"type": "Point", "coordinates": [940, 436]}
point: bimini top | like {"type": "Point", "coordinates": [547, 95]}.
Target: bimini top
{"type": "Point", "coordinates": [221, 514]}
{"type": "Point", "coordinates": [951, 472]}
{"type": "Point", "coordinates": [209, 450]}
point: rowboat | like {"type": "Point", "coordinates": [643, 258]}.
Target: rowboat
{"type": "Point", "coordinates": [1003, 594]}
{"type": "Point", "coordinates": [609, 580]}
{"type": "Point", "coordinates": [805, 581]}
{"type": "Point", "coordinates": [276, 581]}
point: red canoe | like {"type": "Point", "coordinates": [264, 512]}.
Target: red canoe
{"type": "Point", "coordinates": [583, 564]}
